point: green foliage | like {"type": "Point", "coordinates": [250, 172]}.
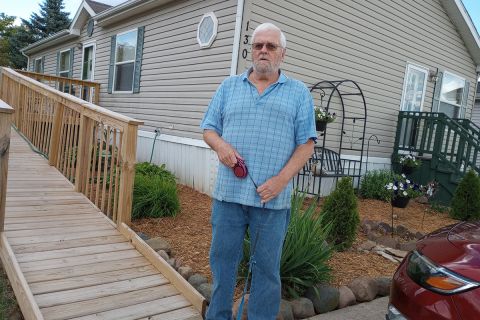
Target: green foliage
{"type": "Point", "coordinates": [340, 209]}
{"type": "Point", "coordinates": [373, 185]}
{"type": "Point", "coordinates": [402, 187]}
{"type": "Point", "coordinates": [51, 19]}
{"type": "Point", "coordinates": [149, 169]}
{"type": "Point", "coordinates": [154, 192]}
{"type": "Point", "coordinates": [305, 250]}
{"type": "Point", "coordinates": [6, 27]}
{"type": "Point", "coordinates": [466, 199]}
{"type": "Point", "coordinates": [19, 38]}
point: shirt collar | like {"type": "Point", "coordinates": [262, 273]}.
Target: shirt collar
{"type": "Point", "coordinates": [281, 79]}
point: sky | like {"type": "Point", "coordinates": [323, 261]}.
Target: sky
{"type": "Point", "coordinates": [24, 8]}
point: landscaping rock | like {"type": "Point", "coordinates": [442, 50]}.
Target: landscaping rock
{"type": "Point", "coordinates": [409, 235]}
{"type": "Point", "coordinates": [171, 262]}
{"type": "Point", "coordinates": [196, 280]}
{"type": "Point", "coordinates": [302, 308]}
{"type": "Point", "coordinates": [163, 254]}
{"type": "Point", "coordinates": [178, 263]}
{"type": "Point", "coordinates": [364, 289]}
{"type": "Point", "coordinates": [384, 228]}
{"type": "Point", "coordinates": [396, 253]}
{"type": "Point", "coordinates": [236, 305]}
{"type": "Point", "coordinates": [368, 226]}
{"type": "Point", "coordinates": [205, 290]}
{"type": "Point", "coordinates": [367, 245]}
{"type": "Point", "coordinates": [372, 237]}
{"type": "Point", "coordinates": [186, 272]}
{"type": "Point", "coordinates": [346, 297]}
{"type": "Point", "coordinates": [408, 246]}
{"type": "Point", "coordinates": [419, 235]}
{"type": "Point", "coordinates": [143, 236]}
{"type": "Point", "coordinates": [383, 286]}
{"type": "Point", "coordinates": [326, 300]}
{"type": "Point", "coordinates": [388, 241]}
{"type": "Point", "coordinates": [286, 312]}
{"type": "Point", "coordinates": [159, 243]}
{"type": "Point", "coordinates": [422, 199]}
{"type": "Point", "coordinates": [401, 230]}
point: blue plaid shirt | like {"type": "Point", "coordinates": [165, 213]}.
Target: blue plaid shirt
{"type": "Point", "coordinates": [265, 130]}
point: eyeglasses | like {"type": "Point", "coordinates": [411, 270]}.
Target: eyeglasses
{"type": "Point", "coordinates": [270, 46]}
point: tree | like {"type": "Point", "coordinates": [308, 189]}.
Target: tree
{"type": "Point", "coordinates": [6, 24]}
{"type": "Point", "coordinates": [51, 19]}
{"type": "Point", "coordinates": [466, 199]}
{"type": "Point", "coordinates": [19, 38]}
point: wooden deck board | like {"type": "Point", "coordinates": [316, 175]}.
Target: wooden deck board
{"type": "Point", "coordinates": [75, 262]}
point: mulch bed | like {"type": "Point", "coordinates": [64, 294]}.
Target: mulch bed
{"type": "Point", "coordinates": [189, 233]}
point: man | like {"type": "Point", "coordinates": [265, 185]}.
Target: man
{"type": "Point", "coordinates": [265, 119]}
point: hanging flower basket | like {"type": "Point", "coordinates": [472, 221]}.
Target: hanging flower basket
{"type": "Point", "coordinates": [321, 125]}
{"type": "Point", "coordinates": [400, 202]}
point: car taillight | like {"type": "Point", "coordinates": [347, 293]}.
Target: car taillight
{"type": "Point", "coordinates": [436, 278]}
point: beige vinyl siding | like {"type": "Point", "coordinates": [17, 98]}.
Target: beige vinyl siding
{"type": "Point", "coordinates": [370, 42]}
{"type": "Point", "coordinates": [178, 78]}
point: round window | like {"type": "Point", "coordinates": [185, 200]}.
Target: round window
{"type": "Point", "coordinates": [207, 30]}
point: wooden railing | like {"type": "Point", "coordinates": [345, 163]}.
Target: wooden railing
{"type": "Point", "coordinates": [86, 90]}
{"type": "Point", "coordinates": [5, 124]}
{"type": "Point", "coordinates": [93, 147]}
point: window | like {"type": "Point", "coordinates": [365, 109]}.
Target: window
{"type": "Point", "coordinates": [414, 88]}
{"type": "Point", "coordinates": [88, 61]}
{"type": "Point", "coordinates": [207, 30]}
{"type": "Point", "coordinates": [125, 54]}
{"type": "Point", "coordinates": [38, 66]}
{"type": "Point", "coordinates": [64, 64]}
{"type": "Point", "coordinates": [451, 95]}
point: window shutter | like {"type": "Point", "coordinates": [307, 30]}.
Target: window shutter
{"type": "Point", "coordinates": [436, 94]}
{"type": "Point", "coordinates": [463, 111]}
{"type": "Point", "coordinates": [58, 63]}
{"type": "Point", "coordinates": [112, 61]}
{"type": "Point", "coordinates": [70, 72]}
{"type": "Point", "coordinates": [43, 64]}
{"type": "Point", "coordinates": [138, 60]}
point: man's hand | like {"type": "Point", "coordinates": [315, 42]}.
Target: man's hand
{"type": "Point", "coordinates": [225, 152]}
{"type": "Point", "coordinates": [271, 188]}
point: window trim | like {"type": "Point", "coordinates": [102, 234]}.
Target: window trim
{"type": "Point", "coordinates": [463, 92]}
{"type": "Point", "coordinates": [60, 62]}
{"type": "Point", "coordinates": [208, 44]}
{"type": "Point", "coordinates": [35, 64]}
{"type": "Point", "coordinates": [404, 90]}
{"type": "Point", "coordinates": [115, 63]}
{"type": "Point", "coordinates": [84, 46]}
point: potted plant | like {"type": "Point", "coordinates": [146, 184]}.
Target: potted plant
{"type": "Point", "coordinates": [409, 163]}
{"type": "Point", "coordinates": [322, 117]}
{"type": "Point", "coordinates": [402, 190]}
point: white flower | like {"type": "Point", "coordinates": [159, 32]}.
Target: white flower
{"type": "Point", "coordinates": [407, 181]}
{"type": "Point", "coordinates": [404, 176]}
{"type": "Point", "coordinates": [395, 188]}
{"type": "Point", "coordinates": [405, 193]}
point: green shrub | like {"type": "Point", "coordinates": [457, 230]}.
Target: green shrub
{"type": "Point", "coordinates": [340, 209]}
{"type": "Point", "coordinates": [466, 199]}
{"type": "Point", "coordinates": [305, 250]}
{"type": "Point", "coordinates": [149, 169]}
{"type": "Point", "coordinates": [373, 185]}
{"type": "Point", "coordinates": [154, 192]}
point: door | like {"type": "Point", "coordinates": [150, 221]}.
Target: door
{"type": "Point", "coordinates": [88, 63]}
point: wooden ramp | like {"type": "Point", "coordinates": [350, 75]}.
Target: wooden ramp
{"type": "Point", "coordinates": [66, 260]}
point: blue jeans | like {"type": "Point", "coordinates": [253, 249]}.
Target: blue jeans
{"type": "Point", "coordinates": [229, 224]}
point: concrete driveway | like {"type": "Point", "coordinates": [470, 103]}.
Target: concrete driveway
{"type": "Point", "coordinates": [373, 310]}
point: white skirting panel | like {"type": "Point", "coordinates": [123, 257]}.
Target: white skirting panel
{"type": "Point", "coordinates": [191, 161]}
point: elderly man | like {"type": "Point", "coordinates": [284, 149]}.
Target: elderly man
{"type": "Point", "coordinates": [266, 120]}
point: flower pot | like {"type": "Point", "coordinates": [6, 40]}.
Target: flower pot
{"type": "Point", "coordinates": [320, 125]}
{"type": "Point", "coordinates": [400, 202]}
{"type": "Point", "coordinates": [407, 170]}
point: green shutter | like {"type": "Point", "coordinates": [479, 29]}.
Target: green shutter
{"type": "Point", "coordinates": [43, 65]}
{"type": "Point", "coordinates": [112, 61]}
{"type": "Point", "coordinates": [436, 94]}
{"type": "Point", "coordinates": [138, 60]}
{"type": "Point", "coordinates": [463, 111]}
{"type": "Point", "coordinates": [70, 72]}
{"type": "Point", "coordinates": [58, 63]}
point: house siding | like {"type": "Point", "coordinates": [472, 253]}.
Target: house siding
{"type": "Point", "coordinates": [370, 42]}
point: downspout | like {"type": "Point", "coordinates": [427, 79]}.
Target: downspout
{"type": "Point", "coordinates": [28, 59]}
{"type": "Point", "coordinates": [236, 37]}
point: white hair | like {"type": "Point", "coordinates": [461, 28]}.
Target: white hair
{"type": "Point", "coordinates": [267, 26]}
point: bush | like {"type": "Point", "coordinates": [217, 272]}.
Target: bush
{"type": "Point", "coordinates": [340, 208]}
{"type": "Point", "coordinates": [154, 192]}
{"type": "Point", "coordinates": [466, 199]}
{"type": "Point", "coordinates": [305, 250]}
{"type": "Point", "coordinates": [373, 185]}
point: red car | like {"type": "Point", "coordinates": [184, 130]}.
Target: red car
{"type": "Point", "coordinates": [441, 278]}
